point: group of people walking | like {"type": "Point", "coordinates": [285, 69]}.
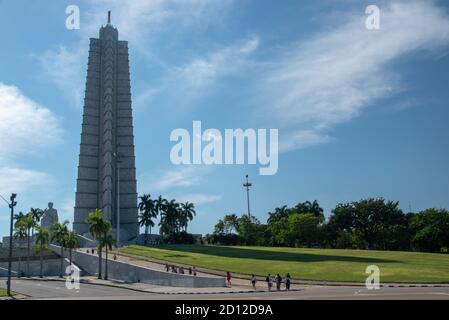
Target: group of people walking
{"type": "Point", "coordinates": [270, 280]}
{"type": "Point", "coordinates": [181, 269]}
{"type": "Point", "coordinates": [278, 280]}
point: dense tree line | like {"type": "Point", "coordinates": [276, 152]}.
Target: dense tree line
{"type": "Point", "coordinates": [174, 218]}
{"type": "Point", "coordinates": [365, 224]}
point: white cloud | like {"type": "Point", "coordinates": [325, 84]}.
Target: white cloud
{"type": "Point", "coordinates": [25, 127]}
{"type": "Point", "coordinates": [198, 198]}
{"type": "Point", "coordinates": [138, 19]}
{"type": "Point", "coordinates": [203, 72]}
{"type": "Point", "coordinates": [302, 139]}
{"type": "Point", "coordinates": [180, 177]}
{"type": "Point", "coordinates": [333, 76]}
{"type": "Point", "coordinates": [15, 180]}
{"type": "Point", "coordinates": [141, 22]}
{"type": "Point", "coordinates": [65, 68]}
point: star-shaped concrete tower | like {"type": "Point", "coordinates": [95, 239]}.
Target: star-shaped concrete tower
{"type": "Point", "coordinates": [106, 171]}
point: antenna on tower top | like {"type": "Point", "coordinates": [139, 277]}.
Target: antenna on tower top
{"type": "Point", "coordinates": [109, 17]}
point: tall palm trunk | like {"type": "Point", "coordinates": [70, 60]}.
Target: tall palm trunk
{"type": "Point", "coordinates": [70, 256]}
{"type": "Point", "coordinates": [146, 235]}
{"type": "Point", "coordinates": [61, 273]}
{"type": "Point", "coordinates": [28, 254]}
{"type": "Point", "coordinates": [99, 263]}
{"type": "Point", "coordinates": [106, 265]}
{"type": "Point", "coordinates": [42, 264]}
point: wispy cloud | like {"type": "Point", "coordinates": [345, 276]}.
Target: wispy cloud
{"type": "Point", "coordinates": [145, 24]}
{"type": "Point", "coordinates": [65, 68]}
{"type": "Point", "coordinates": [18, 180]}
{"type": "Point", "coordinates": [198, 199]}
{"type": "Point", "coordinates": [174, 182]}
{"type": "Point", "coordinates": [180, 177]}
{"type": "Point", "coordinates": [25, 127]}
{"type": "Point", "coordinates": [332, 77]}
{"type": "Point", "coordinates": [143, 21]}
{"type": "Point", "coordinates": [203, 72]}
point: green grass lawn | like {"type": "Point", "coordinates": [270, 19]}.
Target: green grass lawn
{"type": "Point", "coordinates": [3, 293]}
{"type": "Point", "coordinates": [310, 264]}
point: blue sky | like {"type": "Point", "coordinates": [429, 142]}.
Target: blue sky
{"type": "Point", "coordinates": [360, 113]}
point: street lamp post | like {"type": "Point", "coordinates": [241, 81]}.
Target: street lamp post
{"type": "Point", "coordinates": [247, 185]}
{"type": "Point", "coordinates": [11, 206]}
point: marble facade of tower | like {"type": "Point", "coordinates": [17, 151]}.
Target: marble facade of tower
{"type": "Point", "coordinates": [107, 141]}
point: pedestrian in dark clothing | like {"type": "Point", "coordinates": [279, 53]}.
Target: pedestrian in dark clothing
{"type": "Point", "coordinates": [190, 270]}
{"type": "Point", "coordinates": [269, 281]}
{"type": "Point", "coordinates": [228, 277]}
{"type": "Point", "coordinates": [278, 282]}
{"type": "Point", "coordinates": [253, 281]}
{"type": "Point", "coordinates": [288, 280]}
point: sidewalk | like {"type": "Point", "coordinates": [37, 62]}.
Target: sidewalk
{"type": "Point", "coordinates": [149, 288]}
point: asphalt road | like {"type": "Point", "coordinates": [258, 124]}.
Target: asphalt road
{"type": "Point", "coordinates": [56, 290]}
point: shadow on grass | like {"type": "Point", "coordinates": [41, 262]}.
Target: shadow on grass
{"type": "Point", "coordinates": [244, 253]}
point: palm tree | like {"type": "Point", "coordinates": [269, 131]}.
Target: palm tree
{"type": "Point", "coordinates": [147, 213]}
{"type": "Point", "coordinates": [278, 214]}
{"type": "Point", "coordinates": [160, 205]}
{"type": "Point", "coordinates": [187, 213]}
{"type": "Point", "coordinates": [59, 233]}
{"type": "Point", "coordinates": [71, 243]}
{"type": "Point", "coordinates": [106, 241]}
{"type": "Point", "coordinates": [42, 241]}
{"type": "Point", "coordinates": [98, 227]}
{"type": "Point", "coordinates": [37, 215]}
{"type": "Point", "coordinates": [28, 223]}
{"type": "Point", "coordinates": [170, 218]}
{"type": "Point", "coordinates": [18, 217]}
{"type": "Point", "coordinates": [20, 233]}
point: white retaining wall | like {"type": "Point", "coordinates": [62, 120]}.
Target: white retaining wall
{"type": "Point", "coordinates": [132, 273]}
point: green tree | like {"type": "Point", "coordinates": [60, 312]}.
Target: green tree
{"type": "Point", "coordinates": [310, 207]}
{"type": "Point", "coordinates": [106, 241]}
{"type": "Point", "coordinates": [71, 243]}
{"type": "Point", "coordinates": [29, 224]}
{"type": "Point", "coordinates": [170, 219]}
{"type": "Point", "coordinates": [431, 228]}
{"type": "Point", "coordinates": [376, 223]}
{"type": "Point", "coordinates": [250, 231]}
{"type": "Point", "coordinates": [58, 232]}
{"type": "Point", "coordinates": [42, 242]}
{"type": "Point", "coordinates": [187, 212]}
{"type": "Point", "coordinates": [20, 233]}
{"type": "Point", "coordinates": [18, 217]}
{"type": "Point", "coordinates": [147, 212]}
{"type": "Point", "coordinates": [303, 228]}
{"type": "Point", "coordinates": [278, 214]}
{"type": "Point", "coordinates": [98, 227]}
{"type": "Point", "coordinates": [37, 215]}
{"type": "Point", "coordinates": [160, 205]}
